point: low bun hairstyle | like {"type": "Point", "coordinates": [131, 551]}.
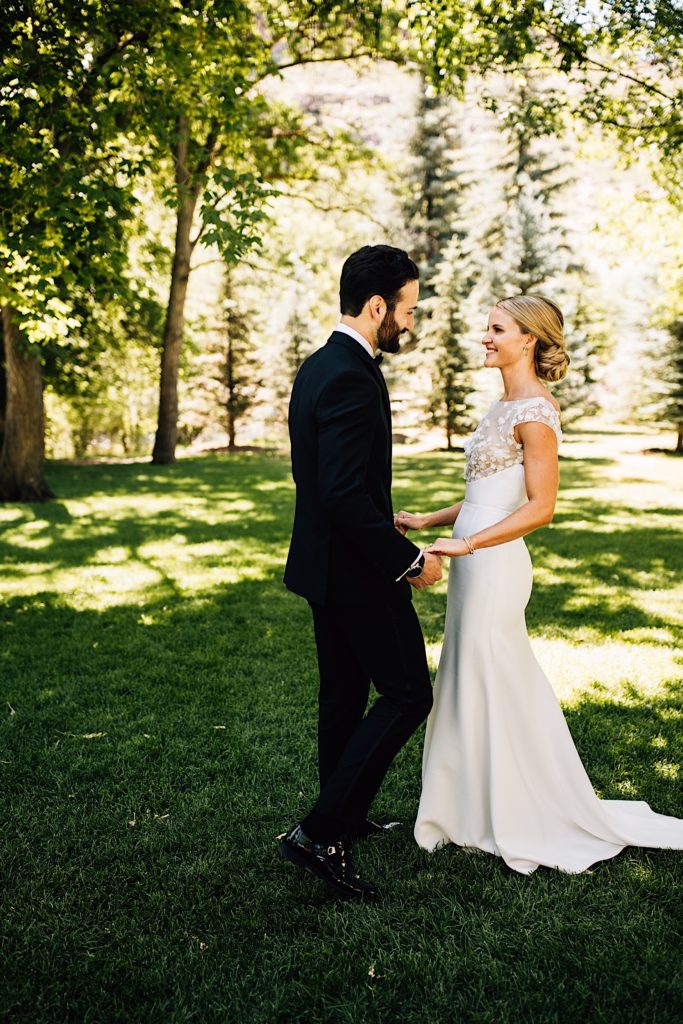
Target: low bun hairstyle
{"type": "Point", "coordinates": [534, 314]}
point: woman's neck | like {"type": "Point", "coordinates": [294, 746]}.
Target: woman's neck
{"type": "Point", "coordinates": [519, 382]}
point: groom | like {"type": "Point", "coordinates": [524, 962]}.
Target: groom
{"type": "Point", "coordinates": [354, 568]}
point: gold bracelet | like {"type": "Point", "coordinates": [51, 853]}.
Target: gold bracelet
{"type": "Point", "coordinates": [470, 545]}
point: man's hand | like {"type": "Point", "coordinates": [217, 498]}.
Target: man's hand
{"type": "Point", "coordinates": [431, 573]}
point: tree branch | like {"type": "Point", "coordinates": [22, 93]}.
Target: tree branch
{"type": "Point", "coordinates": [211, 206]}
{"type": "Point", "coordinates": [585, 59]}
{"type": "Point", "coordinates": [328, 207]}
{"type": "Point", "coordinates": [83, 98]}
{"type": "Point", "coordinates": [206, 263]}
{"type": "Point", "coordinates": [208, 150]}
{"type": "Point", "coordinates": [300, 61]}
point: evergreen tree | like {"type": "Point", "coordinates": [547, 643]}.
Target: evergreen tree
{"type": "Point", "coordinates": [240, 364]}
{"type": "Point", "coordinates": [298, 343]}
{"type": "Point", "coordinates": [450, 400]}
{"type": "Point", "coordinates": [228, 372]}
{"type": "Point", "coordinates": [527, 242]}
{"type": "Point", "coordinates": [667, 407]}
{"type": "Point", "coordinates": [434, 210]}
{"type": "Point", "coordinates": [586, 339]}
{"type": "Point", "coordinates": [434, 183]}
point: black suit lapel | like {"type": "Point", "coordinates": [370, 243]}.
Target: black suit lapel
{"type": "Point", "coordinates": [385, 393]}
{"type": "Point", "coordinates": [339, 338]}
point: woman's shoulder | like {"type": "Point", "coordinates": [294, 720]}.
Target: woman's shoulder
{"type": "Point", "coordinates": [543, 397]}
{"type": "Point", "coordinates": [537, 408]}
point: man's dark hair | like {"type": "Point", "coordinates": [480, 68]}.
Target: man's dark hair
{"type": "Point", "coordinates": [374, 270]}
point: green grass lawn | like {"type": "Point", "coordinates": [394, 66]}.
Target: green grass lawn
{"type": "Point", "coordinates": [157, 730]}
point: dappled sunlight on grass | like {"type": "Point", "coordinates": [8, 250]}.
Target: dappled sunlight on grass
{"type": "Point", "coordinates": [667, 769]}
{"type": "Point", "coordinates": [158, 724]}
{"type": "Point", "coordinates": [622, 670]}
{"type": "Point", "coordinates": [612, 665]}
{"type": "Point", "coordinates": [116, 576]}
{"type": "Point", "coordinates": [106, 586]}
{"type": "Point", "coordinates": [664, 603]}
{"type": "Point", "coordinates": [112, 556]}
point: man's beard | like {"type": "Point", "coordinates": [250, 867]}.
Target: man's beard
{"type": "Point", "coordinates": [388, 333]}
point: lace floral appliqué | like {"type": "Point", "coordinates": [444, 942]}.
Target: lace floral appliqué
{"type": "Point", "coordinates": [492, 446]}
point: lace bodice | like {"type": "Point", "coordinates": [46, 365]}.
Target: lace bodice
{"type": "Point", "coordinates": [492, 446]}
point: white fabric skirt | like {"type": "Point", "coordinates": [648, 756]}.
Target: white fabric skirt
{"type": "Point", "coordinates": [500, 769]}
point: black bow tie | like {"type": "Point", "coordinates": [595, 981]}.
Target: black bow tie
{"type": "Point", "coordinates": [378, 359]}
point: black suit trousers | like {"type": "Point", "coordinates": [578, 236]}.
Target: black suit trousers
{"type": "Point", "coordinates": [357, 645]}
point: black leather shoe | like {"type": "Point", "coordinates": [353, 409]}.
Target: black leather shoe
{"type": "Point", "coordinates": [331, 862]}
{"type": "Point", "coordinates": [372, 828]}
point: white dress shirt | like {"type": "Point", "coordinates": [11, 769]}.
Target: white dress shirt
{"type": "Point", "coordinates": [353, 333]}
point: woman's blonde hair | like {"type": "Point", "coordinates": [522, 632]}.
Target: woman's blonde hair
{"type": "Point", "coordinates": [534, 314]}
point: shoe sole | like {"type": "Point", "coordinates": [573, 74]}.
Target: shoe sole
{"type": "Point", "coordinates": [291, 855]}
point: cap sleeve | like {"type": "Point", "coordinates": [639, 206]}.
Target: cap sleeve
{"type": "Point", "coordinates": [537, 410]}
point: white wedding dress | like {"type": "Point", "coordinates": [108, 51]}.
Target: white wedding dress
{"type": "Point", "coordinates": [500, 770]}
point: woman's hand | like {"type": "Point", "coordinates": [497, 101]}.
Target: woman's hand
{"type": "Point", "coordinates": [404, 521]}
{"type": "Point", "coordinates": [448, 547]}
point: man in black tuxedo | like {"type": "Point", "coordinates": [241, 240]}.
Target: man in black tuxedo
{"type": "Point", "coordinates": [353, 566]}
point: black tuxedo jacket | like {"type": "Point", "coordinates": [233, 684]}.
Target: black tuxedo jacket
{"type": "Point", "coordinates": [344, 547]}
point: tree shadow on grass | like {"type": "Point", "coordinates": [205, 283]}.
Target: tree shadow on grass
{"type": "Point", "coordinates": [208, 501]}
{"type": "Point", "coordinates": [245, 504]}
{"type": "Point", "coordinates": [242, 659]}
{"type": "Point", "coordinates": [632, 746]}
{"type": "Point", "coordinates": [151, 753]}
{"type": "Point", "coordinates": [200, 474]}
{"type": "Point", "coordinates": [598, 576]}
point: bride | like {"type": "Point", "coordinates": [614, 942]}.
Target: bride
{"type": "Point", "coordinates": [500, 771]}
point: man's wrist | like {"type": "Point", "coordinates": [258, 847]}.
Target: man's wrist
{"type": "Point", "coordinates": [415, 570]}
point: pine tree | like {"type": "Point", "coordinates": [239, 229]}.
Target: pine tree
{"type": "Point", "coordinates": [296, 339]}
{"type": "Point", "coordinates": [527, 241]}
{"type": "Point", "coordinates": [450, 400]}
{"type": "Point", "coordinates": [586, 339]}
{"type": "Point", "coordinates": [297, 344]}
{"type": "Point", "coordinates": [239, 364]}
{"type": "Point", "coordinates": [434, 215]}
{"type": "Point", "coordinates": [667, 407]}
{"type": "Point", "coordinates": [434, 183]}
{"type": "Point", "coordinates": [226, 383]}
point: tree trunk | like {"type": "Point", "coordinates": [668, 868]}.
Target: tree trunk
{"type": "Point", "coordinates": [167, 426]}
{"type": "Point", "coordinates": [23, 447]}
{"type": "Point", "coordinates": [3, 387]}
{"type": "Point", "coordinates": [679, 440]}
{"type": "Point", "coordinates": [230, 374]}
{"type": "Point", "coordinates": [449, 431]}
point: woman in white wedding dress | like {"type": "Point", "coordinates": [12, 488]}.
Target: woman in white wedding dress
{"type": "Point", "coordinates": [500, 771]}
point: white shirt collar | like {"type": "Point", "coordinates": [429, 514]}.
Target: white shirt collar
{"type": "Point", "coordinates": [352, 333]}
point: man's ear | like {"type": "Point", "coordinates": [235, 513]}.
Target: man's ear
{"type": "Point", "coordinates": [377, 308]}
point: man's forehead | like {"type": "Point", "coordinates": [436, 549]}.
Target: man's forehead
{"type": "Point", "coordinates": [409, 291]}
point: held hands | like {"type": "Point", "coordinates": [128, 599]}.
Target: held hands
{"type": "Point", "coordinates": [404, 521]}
{"type": "Point", "coordinates": [431, 572]}
{"type": "Point", "coordinates": [443, 546]}
{"type": "Point", "coordinates": [448, 547]}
